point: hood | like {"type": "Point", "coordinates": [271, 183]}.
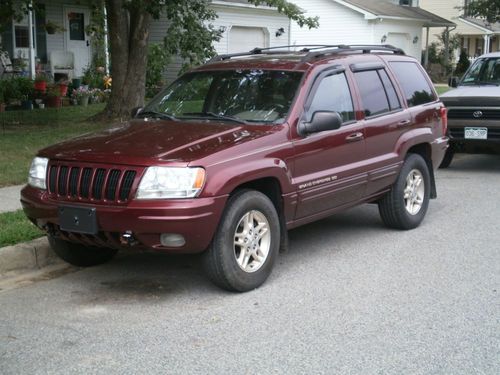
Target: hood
{"type": "Point", "coordinates": [144, 143]}
{"type": "Point", "coordinates": [486, 95]}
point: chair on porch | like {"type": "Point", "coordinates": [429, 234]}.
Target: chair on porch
{"type": "Point", "coordinates": [62, 63]}
{"type": "Point", "coordinates": [6, 65]}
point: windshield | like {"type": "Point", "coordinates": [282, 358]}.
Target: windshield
{"type": "Point", "coordinates": [483, 72]}
{"type": "Point", "coordinates": [259, 96]}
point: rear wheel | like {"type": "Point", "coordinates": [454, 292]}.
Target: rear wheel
{"type": "Point", "coordinates": [80, 255]}
{"type": "Point", "coordinates": [246, 243]}
{"type": "Point", "coordinates": [405, 206]}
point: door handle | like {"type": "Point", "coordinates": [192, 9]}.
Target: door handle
{"type": "Point", "coordinates": [404, 123]}
{"type": "Point", "coordinates": [88, 43]}
{"type": "Point", "coordinates": [354, 137]}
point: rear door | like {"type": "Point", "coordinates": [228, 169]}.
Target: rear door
{"type": "Point", "coordinates": [385, 120]}
{"type": "Point", "coordinates": [327, 171]}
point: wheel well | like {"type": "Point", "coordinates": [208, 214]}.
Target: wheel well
{"type": "Point", "coordinates": [270, 187]}
{"type": "Point", "coordinates": [424, 150]}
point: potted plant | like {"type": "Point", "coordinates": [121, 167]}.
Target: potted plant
{"type": "Point", "coordinates": [52, 27]}
{"type": "Point", "coordinates": [41, 81]}
{"type": "Point", "coordinates": [81, 95]}
{"type": "Point", "coordinates": [53, 99]}
{"type": "Point", "coordinates": [63, 87]}
{"type": "Point", "coordinates": [26, 91]}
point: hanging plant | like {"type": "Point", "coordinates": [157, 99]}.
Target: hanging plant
{"type": "Point", "coordinates": [52, 28]}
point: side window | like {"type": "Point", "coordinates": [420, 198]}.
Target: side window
{"type": "Point", "coordinates": [416, 88]}
{"type": "Point", "coordinates": [389, 90]}
{"type": "Point", "coordinates": [333, 95]}
{"type": "Point", "coordinates": [372, 92]}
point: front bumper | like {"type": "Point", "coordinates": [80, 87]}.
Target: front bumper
{"type": "Point", "coordinates": [195, 219]}
{"type": "Point", "coordinates": [456, 131]}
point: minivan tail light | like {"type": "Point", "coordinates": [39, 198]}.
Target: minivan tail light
{"type": "Point", "coordinates": [444, 119]}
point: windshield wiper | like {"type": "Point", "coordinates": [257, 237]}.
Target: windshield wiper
{"type": "Point", "coordinates": [164, 116]}
{"type": "Point", "coordinates": [217, 116]}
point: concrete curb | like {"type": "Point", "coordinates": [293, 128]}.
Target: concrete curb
{"type": "Point", "coordinates": [30, 255]}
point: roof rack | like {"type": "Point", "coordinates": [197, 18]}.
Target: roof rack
{"type": "Point", "coordinates": [312, 51]}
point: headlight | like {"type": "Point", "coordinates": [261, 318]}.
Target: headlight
{"type": "Point", "coordinates": [171, 182]}
{"type": "Point", "coordinates": [38, 173]}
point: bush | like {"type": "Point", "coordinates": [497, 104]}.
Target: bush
{"type": "Point", "coordinates": [158, 59]}
{"type": "Point", "coordinates": [18, 88]}
{"type": "Point", "coordinates": [463, 63]}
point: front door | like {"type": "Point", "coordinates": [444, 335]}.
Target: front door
{"type": "Point", "coordinates": [328, 171]}
{"type": "Point", "coordinates": [76, 40]}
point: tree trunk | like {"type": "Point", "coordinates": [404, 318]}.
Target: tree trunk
{"type": "Point", "coordinates": [129, 33]}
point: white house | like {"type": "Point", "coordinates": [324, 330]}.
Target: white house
{"type": "Point", "coordinates": [399, 23]}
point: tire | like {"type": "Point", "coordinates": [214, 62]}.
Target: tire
{"type": "Point", "coordinates": [407, 212]}
{"type": "Point", "coordinates": [448, 157]}
{"type": "Point", "coordinates": [240, 268]}
{"type": "Point", "coordinates": [80, 255]}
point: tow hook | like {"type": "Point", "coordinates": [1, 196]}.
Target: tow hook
{"type": "Point", "coordinates": [127, 239]}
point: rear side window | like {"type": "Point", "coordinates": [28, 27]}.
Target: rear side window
{"type": "Point", "coordinates": [372, 93]}
{"type": "Point", "coordinates": [415, 86]}
{"type": "Point", "coordinates": [333, 95]}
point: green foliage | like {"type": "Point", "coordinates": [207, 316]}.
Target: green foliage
{"type": "Point", "coordinates": [17, 88]}
{"type": "Point", "coordinates": [463, 63]}
{"type": "Point", "coordinates": [488, 10]}
{"type": "Point", "coordinates": [93, 77]}
{"type": "Point", "coordinates": [291, 10]}
{"type": "Point", "coordinates": [158, 59]}
{"type": "Point", "coordinates": [15, 227]}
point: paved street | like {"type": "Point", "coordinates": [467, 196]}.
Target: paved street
{"type": "Point", "coordinates": [350, 297]}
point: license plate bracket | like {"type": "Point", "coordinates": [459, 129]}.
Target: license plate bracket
{"type": "Point", "coordinates": [78, 219]}
{"type": "Point", "coordinates": [475, 133]}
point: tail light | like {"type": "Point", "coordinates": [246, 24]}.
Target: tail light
{"type": "Point", "coordinates": [444, 119]}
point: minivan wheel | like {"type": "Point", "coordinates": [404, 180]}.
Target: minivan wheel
{"type": "Point", "coordinates": [245, 246]}
{"type": "Point", "coordinates": [448, 157]}
{"type": "Point", "coordinates": [80, 255]}
{"type": "Point", "coordinates": [405, 206]}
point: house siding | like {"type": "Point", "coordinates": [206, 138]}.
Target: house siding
{"type": "Point", "coordinates": [342, 25]}
{"type": "Point", "coordinates": [338, 25]}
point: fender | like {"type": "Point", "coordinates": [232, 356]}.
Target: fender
{"type": "Point", "coordinates": [411, 138]}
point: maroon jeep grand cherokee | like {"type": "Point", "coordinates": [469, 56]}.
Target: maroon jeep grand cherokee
{"type": "Point", "coordinates": [233, 154]}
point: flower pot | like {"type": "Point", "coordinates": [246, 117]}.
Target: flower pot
{"type": "Point", "coordinates": [84, 100]}
{"type": "Point", "coordinates": [63, 89]}
{"type": "Point", "coordinates": [27, 104]}
{"type": "Point", "coordinates": [76, 82]}
{"type": "Point", "coordinates": [41, 86]}
{"type": "Point", "coordinates": [53, 102]}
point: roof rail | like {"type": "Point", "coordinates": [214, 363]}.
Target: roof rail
{"type": "Point", "coordinates": [312, 51]}
{"type": "Point", "coordinates": [272, 50]}
{"type": "Point", "coordinates": [330, 50]}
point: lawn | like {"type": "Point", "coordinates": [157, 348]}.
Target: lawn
{"type": "Point", "coordinates": [15, 228]}
{"type": "Point", "coordinates": [23, 133]}
{"type": "Point", "coordinates": [442, 89]}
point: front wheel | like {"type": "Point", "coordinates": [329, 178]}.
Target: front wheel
{"type": "Point", "coordinates": [405, 206]}
{"type": "Point", "coordinates": [80, 255]}
{"type": "Point", "coordinates": [242, 253]}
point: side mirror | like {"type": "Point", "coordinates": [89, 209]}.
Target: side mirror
{"type": "Point", "coordinates": [453, 81]}
{"type": "Point", "coordinates": [135, 111]}
{"type": "Point", "coordinates": [321, 121]}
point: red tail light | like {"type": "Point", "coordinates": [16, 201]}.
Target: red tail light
{"type": "Point", "coordinates": [444, 119]}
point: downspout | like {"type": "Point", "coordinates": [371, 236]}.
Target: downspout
{"type": "Point", "coordinates": [447, 44]}
{"type": "Point", "coordinates": [426, 58]}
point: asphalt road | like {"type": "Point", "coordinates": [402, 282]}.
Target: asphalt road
{"type": "Point", "coordinates": [350, 297]}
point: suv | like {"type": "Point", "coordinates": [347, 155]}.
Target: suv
{"type": "Point", "coordinates": [474, 109]}
{"type": "Point", "coordinates": [236, 152]}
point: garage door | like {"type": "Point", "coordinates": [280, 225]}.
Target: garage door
{"type": "Point", "coordinates": [242, 39]}
{"type": "Point", "coordinates": [399, 40]}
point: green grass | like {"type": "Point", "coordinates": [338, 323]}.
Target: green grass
{"type": "Point", "coordinates": [442, 89]}
{"type": "Point", "coordinates": [15, 228]}
{"type": "Point", "coordinates": [23, 133]}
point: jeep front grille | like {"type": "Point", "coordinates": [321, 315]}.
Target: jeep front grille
{"type": "Point", "coordinates": [87, 183]}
